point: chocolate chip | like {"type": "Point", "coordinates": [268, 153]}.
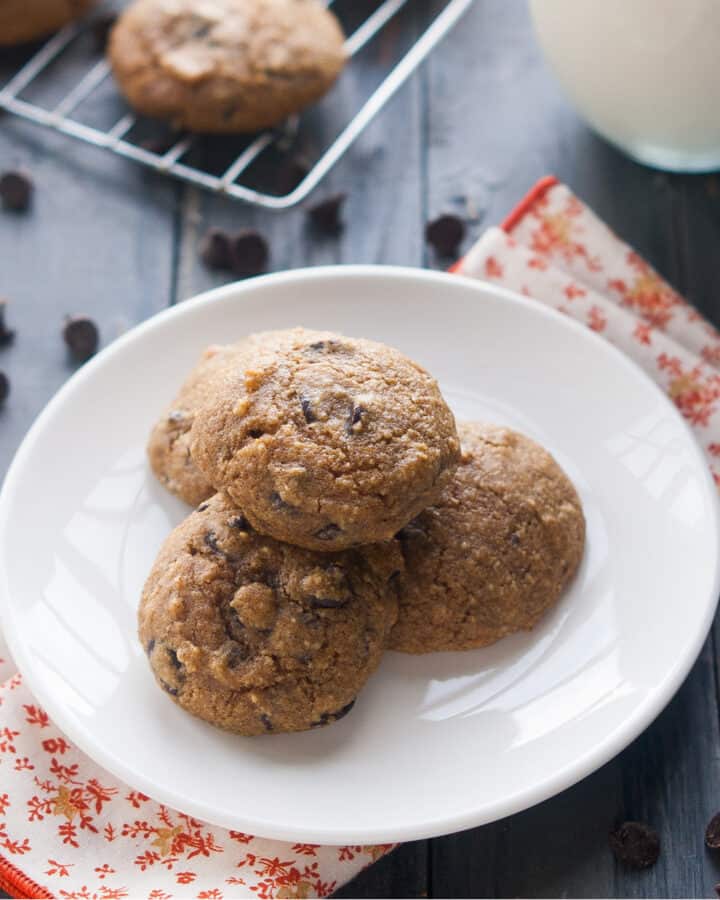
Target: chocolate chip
{"type": "Point", "coordinates": [325, 215]}
{"type": "Point", "coordinates": [326, 718]}
{"type": "Point", "coordinates": [210, 540]}
{"type": "Point", "coordinates": [4, 387]}
{"type": "Point", "coordinates": [255, 433]}
{"type": "Point", "coordinates": [635, 844]}
{"type": "Point", "coordinates": [515, 540]}
{"type": "Point", "coordinates": [267, 721]}
{"type": "Point", "coordinates": [277, 502]}
{"type": "Point", "coordinates": [215, 249]}
{"type": "Point", "coordinates": [355, 418]}
{"type": "Point", "coordinates": [328, 603]}
{"type": "Point", "coordinates": [712, 832]}
{"type": "Point", "coordinates": [328, 532]}
{"type": "Point", "coordinates": [235, 656]}
{"type": "Point", "coordinates": [100, 29]}
{"type": "Point", "coordinates": [15, 191]}
{"type": "Point", "coordinates": [445, 234]}
{"type": "Point", "coordinates": [317, 345]}
{"type": "Point", "coordinates": [239, 522]}
{"type": "Point", "coordinates": [81, 336]}
{"type": "Point", "coordinates": [177, 415]}
{"type": "Point", "coordinates": [173, 657]}
{"type": "Point", "coordinates": [150, 646]}
{"type": "Point", "coordinates": [307, 410]}
{"type": "Point", "coordinates": [7, 335]}
{"type": "Point", "coordinates": [249, 253]}
{"type": "Point", "coordinates": [203, 507]}
{"type": "Point", "coordinates": [168, 688]}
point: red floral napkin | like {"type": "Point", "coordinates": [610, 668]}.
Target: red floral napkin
{"type": "Point", "coordinates": [68, 829]}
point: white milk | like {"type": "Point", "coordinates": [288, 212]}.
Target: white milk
{"type": "Point", "coordinates": [644, 73]}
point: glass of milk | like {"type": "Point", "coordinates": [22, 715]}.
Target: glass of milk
{"type": "Point", "coordinates": [644, 73]}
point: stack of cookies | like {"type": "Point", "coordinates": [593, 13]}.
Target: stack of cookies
{"type": "Point", "coordinates": [339, 512]}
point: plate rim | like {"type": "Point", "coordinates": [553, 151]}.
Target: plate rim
{"type": "Point", "coordinates": [612, 744]}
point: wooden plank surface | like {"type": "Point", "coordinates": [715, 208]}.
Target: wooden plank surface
{"type": "Point", "coordinates": [471, 132]}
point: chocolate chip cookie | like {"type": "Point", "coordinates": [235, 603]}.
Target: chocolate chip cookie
{"type": "Point", "coordinates": [29, 20]}
{"type": "Point", "coordinates": [225, 65]}
{"type": "Point", "coordinates": [327, 442]}
{"type": "Point", "coordinates": [495, 552]}
{"type": "Point", "coordinates": [258, 637]}
{"type": "Point", "coordinates": [169, 445]}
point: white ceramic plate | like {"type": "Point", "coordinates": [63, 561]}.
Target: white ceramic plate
{"type": "Point", "coordinates": [436, 743]}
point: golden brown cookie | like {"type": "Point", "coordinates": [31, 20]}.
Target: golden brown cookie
{"type": "Point", "coordinates": [225, 65]}
{"type": "Point", "coordinates": [327, 442]}
{"type": "Point", "coordinates": [29, 20]}
{"type": "Point", "coordinates": [259, 637]}
{"type": "Point", "coordinates": [496, 551]}
{"type": "Point", "coordinates": [169, 445]}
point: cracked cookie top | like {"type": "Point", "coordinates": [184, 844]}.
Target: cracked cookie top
{"type": "Point", "coordinates": [325, 441]}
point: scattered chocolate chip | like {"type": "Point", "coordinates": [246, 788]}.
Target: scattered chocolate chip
{"type": "Point", "coordinates": [215, 249]}
{"type": "Point", "coordinates": [712, 832]}
{"type": "Point", "coordinates": [327, 603]}
{"type": "Point", "coordinates": [100, 29]}
{"type": "Point", "coordinates": [326, 718]}
{"type": "Point", "coordinates": [328, 532]}
{"type": "Point", "coordinates": [325, 215]}
{"type": "Point", "coordinates": [168, 688]}
{"type": "Point", "coordinates": [267, 721]}
{"type": "Point", "coordinates": [412, 530]}
{"type": "Point", "coordinates": [177, 415]}
{"type": "Point", "coordinates": [81, 336]}
{"type": "Point", "coordinates": [7, 335]}
{"type": "Point", "coordinates": [445, 234]}
{"type": "Point", "coordinates": [277, 502]}
{"type": "Point", "coordinates": [317, 345]}
{"type": "Point", "coordinates": [635, 844]}
{"type": "Point", "coordinates": [239, 522]}
{"type": "Point", "coordinates": [249, 253]}
{"type": "Point", "coordinates": [515, 540]}
{"type": "Point", "coordinates": [150, 646]}
{"type": "Point", "coordinates": [202, 507]}
{"type": "Point", "coordinates": [4, 388]}
{"type": "Point", "coordinates": [307, 410]}
{"type": "Point", "coordinates": [173, 657]}
{"type": "Point", "coordinates": [15, 191]}
{"type": "Point", "coordinates": [255, 433]}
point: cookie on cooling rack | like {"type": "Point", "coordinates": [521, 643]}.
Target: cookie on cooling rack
{"type": "Point", "coordinates": [495, 552]}
{"type": "Point", "coordinates": [259, 637]}
{"type": "Point", "coordinates": [29, 20]}
{"type": "Point", "coordinates": [225, 65]}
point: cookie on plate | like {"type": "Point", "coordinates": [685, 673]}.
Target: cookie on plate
{"type": "Point", "coordinates": [225, 65]}
{"type": "Point", "coordinates": [327, 442]}
{"type": "Point", "coordinates": [495, 552]}
{"type": "Point", "coordinates": [29, 20]}
{"type": "Point", "coordinates": [258, 637]}
{"type": "Point", "coordinates": [168, 449]}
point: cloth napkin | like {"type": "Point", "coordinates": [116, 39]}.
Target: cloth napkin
{"type": "Point", "coordinates": [68, 829]}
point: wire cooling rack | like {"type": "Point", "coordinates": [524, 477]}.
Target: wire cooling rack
{"type": "Point", "coordinates": [63, 113]}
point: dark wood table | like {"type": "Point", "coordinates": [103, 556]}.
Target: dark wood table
{"type": "Point", "coordinates": [473, 129]}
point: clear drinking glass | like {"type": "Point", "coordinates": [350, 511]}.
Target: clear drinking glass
{"type": "Point", "coordinates": [645, 74]}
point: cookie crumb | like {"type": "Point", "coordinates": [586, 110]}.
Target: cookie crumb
{"type": "Point", "coordinates": [635, 844]}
